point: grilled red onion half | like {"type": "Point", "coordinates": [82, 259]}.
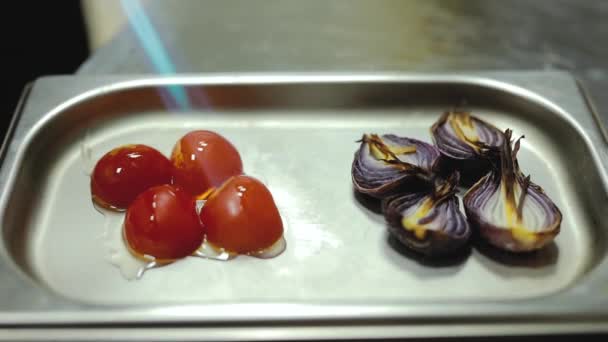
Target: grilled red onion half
{"type": "Point", "coordinates": [510, 211]}
{"type": "Point", "coordinates": [467, 143]}
{"type": "Point", "coordinates": [428, 222]}
{"type": "Point", "coordinates": [384, 164]}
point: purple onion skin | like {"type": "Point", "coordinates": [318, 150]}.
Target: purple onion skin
{"type": "Point", "coordinates": [454, 231]}
{"type": "Point", "coordinates": [508, 173]}
{"type": "Point", "coordinates": [405, 172]}
{"type": "Point", "coordinates": [472, 159]}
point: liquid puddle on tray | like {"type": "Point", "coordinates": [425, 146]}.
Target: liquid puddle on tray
{"type": "Point", "coordinates": [133, 267]}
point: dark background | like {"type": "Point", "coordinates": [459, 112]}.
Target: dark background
{"type": "Point", "coordinates": [41, 38]}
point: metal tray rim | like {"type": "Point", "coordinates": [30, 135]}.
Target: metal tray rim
{"type": "Point", "coordinates": [414, 310]}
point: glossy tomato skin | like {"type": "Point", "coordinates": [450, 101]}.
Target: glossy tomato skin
{"type": "Point", "coordinates": [241, 216]}
{"type": "Point", "coordinates": [162, 222]}
{"type": "Point", "coordinates": [126, 171]}
{"type": "Point", "coordinates": [204, 160]}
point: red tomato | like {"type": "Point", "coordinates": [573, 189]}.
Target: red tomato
{"type": "Point", "coordinates": [204, 160]}
{"type": "Point", "coordinates": [162, 222]}
{"type": "Point", "coordinates": [123, 173]}
{"type": "Point", "coordinates": [241, 216]}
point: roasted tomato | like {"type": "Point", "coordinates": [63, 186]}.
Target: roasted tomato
{"type": "Point", "coordinates": [203, 160]}
{"type": "Point", "coordinates": [162, 222]}
{"type": "Point", "coordinates": [125, 172]}
{"type": "Point", "coordinates": [241, 216]}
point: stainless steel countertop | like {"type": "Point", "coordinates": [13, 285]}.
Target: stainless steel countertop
{"type": "Point", "coordinates": [205, 36]}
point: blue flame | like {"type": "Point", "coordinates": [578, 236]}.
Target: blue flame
{"type": "Point", "coordinates": [154, 48]}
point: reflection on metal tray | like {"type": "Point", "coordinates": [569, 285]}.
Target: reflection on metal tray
{"type": "Point", "coordinates": [297, 133]}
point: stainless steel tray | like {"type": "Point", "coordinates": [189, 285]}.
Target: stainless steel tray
{"type": "Point", "coordinates": [340, 277]}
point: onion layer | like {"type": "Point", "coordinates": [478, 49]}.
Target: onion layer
{"type": "Point", "coordinates": [384, 164]}
{"type": "Point", "coordinates": [429, 222]}
{"type": "Point", "coordinates": [510, 211]}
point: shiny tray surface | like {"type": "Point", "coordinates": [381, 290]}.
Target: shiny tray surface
{"type": "Point", "coordinates": [297, 133]}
